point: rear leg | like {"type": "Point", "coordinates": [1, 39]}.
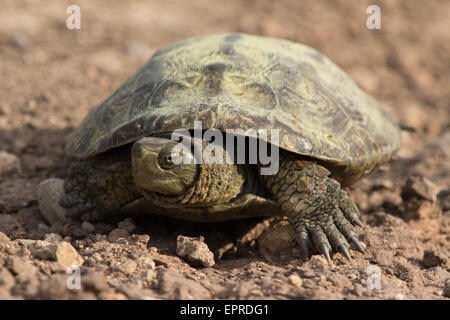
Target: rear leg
{"type": "Point", "coordinates": [98, 187]}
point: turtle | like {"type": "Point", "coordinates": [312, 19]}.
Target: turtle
{"type": "Point", "coordinates": [330, 134]}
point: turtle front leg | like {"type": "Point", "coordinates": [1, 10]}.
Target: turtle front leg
{"type": "Point", "coordinates": [322, 214]}
{"type": "Point", "coordinates": [98, 187]}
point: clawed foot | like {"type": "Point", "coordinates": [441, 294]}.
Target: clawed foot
{"type": "Point", "coordinates": [329, 224]}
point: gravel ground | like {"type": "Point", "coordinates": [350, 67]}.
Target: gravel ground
{"type": "Point", "coordinates": [51, 77]}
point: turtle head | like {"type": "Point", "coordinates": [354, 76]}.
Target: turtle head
{"type": "Point", "coordinates": [160, 166]}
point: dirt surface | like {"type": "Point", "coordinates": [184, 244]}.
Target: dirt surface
{"type": "Point", "coordinates": [52, 76]}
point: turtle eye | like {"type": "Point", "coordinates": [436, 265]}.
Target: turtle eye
{"type": "Point", "coordinates": [167, 162]}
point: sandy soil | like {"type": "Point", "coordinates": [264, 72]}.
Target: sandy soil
{"type": "Point", "coordinates": [52, 76]}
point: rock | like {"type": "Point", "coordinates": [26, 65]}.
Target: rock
{"type": "Point", "coordinates": [53, 237]}
{"type": "Point", "coordinates": [147, 275]}
{"type": "Point", "coordinates": [116, 234]}
{"type": "Point", "coordinates": [419, 196]}
{"type": "Point", "coordinates": [9, 247]}
{"type": "Point", "coordinates": [127, 267]}
{"type": "Point", "coordinates": [67, 255]}
{"type": "Point", "coordinates": [444, 199]}
{"type": "Point", "coordinates": [9, 164]}
{"type": "Point", "coordinates": [55, 267]}
{"type": "Point", "coordinates": [141, 240]}
{"type": "Point", "coordinates": [433, 258]}
{"type": "Point", "coordinates": [48, 194]}
{"type": "Point", "coordinates": [146, 263]}
{"type": "Point", "coordinates": [446, 291]}
{"type": "Point", "coordinates": [102, 228]}
{"type": "Point", "coordinates": [407, 272]}
{"type": "Point", "coordinates": [295, 280]}
{"type": "Point", "coordinates": [4, 238]}
{"type": "Point", "coordinates": [89, 227]}
{"type": "Point", "coordinates": [21, 266]}
{"type": "Point", "coordinates": [127, 224]}
{"type": "Point", "coordinates": [180, 288]}
{"type": "Point", "coordinates": [420, 209]}
{"type": "Point", "coordinates": [383, 257]}
{"type": "Point", "coordinates": [318, 262]}
{"type": "Point", "coordinates": [60, 251]}
{"type": "Point", "coordinates": [16, 194]}
{"type": "Point", "coordinates": [75, 230]}
{"type": "Point", "coordinates": [43, 250]}
{"type": "Point", "coordinates": [25, 242]}
{"type": "Point", "coordinates": [57, 227]}
{"type": "Point", "coordinates": [419, 187]}
{"type": "Point", "coordinates": [194, 251]}
{"type": "Point", "coordinates": [6, 279]}
{"type": "Point", "coordinates": [276, 244]}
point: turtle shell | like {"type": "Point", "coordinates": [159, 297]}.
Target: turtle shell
{"type": "Point", "coordinates": [241, 81]}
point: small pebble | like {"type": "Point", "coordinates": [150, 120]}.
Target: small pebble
{"type": "Point", "coordinates": [59, 251]}
{"type": "Point", "coordinates": [48, 194]}
{"type": "Point", "coordinates": [194, 251]}
{"type": "Point", "coordinates": [146, 263]}
{"type": "Point", "coordinates": [116, 234]}
{"type": "Point", "coordinates": [127, 224]}
{"type": "Point", "coordinates": [433, 258]}
{"type": "Point", "coordinates": [127, 267]}
{"type": "Point", "coordinates": [148, 275]}
{"type": "Point", "coordinates": [9, 164]}
{"type": "Point", "coordinates": [66, 255]}
{"type": "Point", "coordinates": [446, 291]}
{"type": "Point", "coordinates": [89, 227]}
{"type": "Point", "coordinates": [419, 187]}
{"type": "Point", "coordinates": [295, 280]}
{"type": "Point", "coordinates": [53, 237]}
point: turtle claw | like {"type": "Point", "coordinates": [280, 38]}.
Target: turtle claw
{"type": "Point", "coordinates": [330, 230]}
{"type": "Point", "coordinates": [322, 214]}
{"type": "Point", "coordinates": [358, 222]}
{"type": "Point", "coordinates": [349, 208]}
{"type": "Point", "coordinates": [357, 243]}
{"type": "Point", "coordinates": [304, 248]}
{"type": "Point", "coordinates": [326, 252]}
{"type": "Point", "coordinates": [344, 250]}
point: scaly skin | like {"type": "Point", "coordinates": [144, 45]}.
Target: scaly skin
{"type": "Point", "coordinates": [320, 212]}
{"type": "Point", "coordinates": [98, 187]}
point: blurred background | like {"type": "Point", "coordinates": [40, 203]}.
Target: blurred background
{"type": "Point", "coordinates": [51, 76]}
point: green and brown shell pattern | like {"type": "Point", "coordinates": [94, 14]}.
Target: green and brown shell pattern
{"type": "Point", "coordinates": [241, 81]}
